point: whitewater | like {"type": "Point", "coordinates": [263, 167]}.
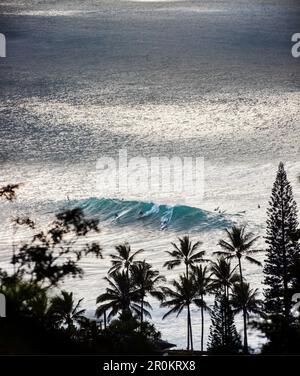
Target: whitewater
{"type": "Point", "coordinates": [211, 79]}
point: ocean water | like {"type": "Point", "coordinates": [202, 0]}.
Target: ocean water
{"type": "Point", "coordinates": [212, 79]}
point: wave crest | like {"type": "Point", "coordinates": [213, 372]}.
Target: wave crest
{"type": "Point", "coordinates": [138, 213]}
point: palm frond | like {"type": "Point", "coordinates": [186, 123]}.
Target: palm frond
{"type": "Point", "coordinates": [253, 260]}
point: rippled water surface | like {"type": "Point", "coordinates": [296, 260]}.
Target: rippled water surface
{"type": "Point", "coordinates": [83, 79]}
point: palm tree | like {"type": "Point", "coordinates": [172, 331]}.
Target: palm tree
{"type": "Point", "coordinates": [185, 253]}
{"type": "Point", "coordinates": [41, 309]}
{"type": "Point", "coordinates": [120, 297]}
{"type": "Point", "coordinates": [239, 245]}
{"type": "Point", "coordinates": [124, 259]}
{"type": "Point", "coordinates": [181, 297]}
{"type": "Point", "coordinates": [146, 280]}
{"type": "Point", "coordinates": [203, 283]}
{"type": "Point", "coordinates": [224, 276]}
{"type": "Point", "coordinates": [244, 297]}
{"type": "Point", "coordinates": [66, 311]}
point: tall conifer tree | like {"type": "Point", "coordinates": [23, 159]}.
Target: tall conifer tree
{"type": "Point", "coordinates": [223, 337]}
{"type": "Point", "coordinates": [281, 253]}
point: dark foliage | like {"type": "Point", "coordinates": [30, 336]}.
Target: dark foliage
{"type": "Point", "coordinates": [223, 336]}
{"type": "Point", "coordinates": [124, 336]}
{"type": "Point", "coordinates": [9, 191]}
{"type": "Point", "coordinates": [53, 254]}
{"type": "Point", "coordinates": [282, 252]}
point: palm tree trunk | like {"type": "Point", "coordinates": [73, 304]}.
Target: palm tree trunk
{"type": "Point", "coordinates": [188, 331]}
{"type": "Point", "coordinates": [202, 324]}
{"type": "Point", "coordinates": [14, 246]}
{"type": "Point", "coordinates": [190, 327]}
{"type": "Point", "coordinates": [244, 310]}
{"type": "Point", "coordinates": [245, 331]}
{"type": "Point", "coordinates": [187, 271]}
{"type": "Point", "coordinates": [142, 310]}
{"type": "Point", "coordinates": [224, 328]}
{"type": "Point", "coordinates": [191, 336]}
{"type": "Point", "coordinates": [104, 316]}
{"type": "Point", "coordinates": [225, 314]}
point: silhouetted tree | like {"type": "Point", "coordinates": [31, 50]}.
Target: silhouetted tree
{"type": "Point", "coordinates": [178, 298]}
{"type": "Point", "coordinates": [122, 296]}
{"type": "Point", "coordinates": [204, 285]}
{"type": "Point", "coordinates": [123, 336]}
{"type": "Point", "coordinates": [41, 310]}
{"type": "Point", "coordinates": [54, 253]}
{"type": "Point", "coordinates": [223, 275]}
{"type": "Point", "coordinates": [184, 253]}
{"type": "Point", "coordinates": [295, 274]}
{"type": "Point", "coordinates": [239, 245]}
{"type": "Point", "coordinates": [223, 337]}
{"type": "Point", "coordinates": [67, 312]}
{"type": "Point", "coordinates": [147, 280]}
{"type": "Point", "coordinates": [20, 295]}
{"type": "Point", "coordinates": [281, 254]}
{"type": "Point", "coordinates": [124, 259]}
{"type": "Point", "coordinates": [243, 298]}
{"type": "Point", "coordinates": [89, 331]}
{"type": "Point", "coordinates": [223, 279]}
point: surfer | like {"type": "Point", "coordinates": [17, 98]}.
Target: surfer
{"type": "Point", "coordinates": [164, 224]}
